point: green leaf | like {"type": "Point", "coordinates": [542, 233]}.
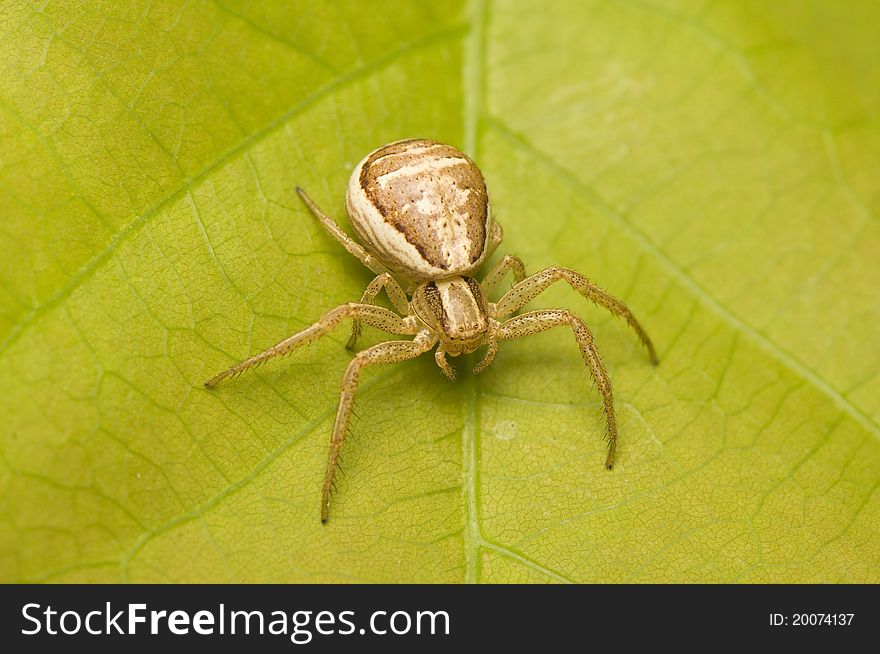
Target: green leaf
{"type": "Point", "coordinates": [714, 164]}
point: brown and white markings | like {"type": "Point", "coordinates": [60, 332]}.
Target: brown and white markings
{"type": "Point", "coordinates": [422, 209]}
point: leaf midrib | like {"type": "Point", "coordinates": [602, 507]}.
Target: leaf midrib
{"type": "Point", "coordinates": [473, 82]}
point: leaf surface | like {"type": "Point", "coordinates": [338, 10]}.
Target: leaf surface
{"type": "Point", "coordinates": [714, 165]}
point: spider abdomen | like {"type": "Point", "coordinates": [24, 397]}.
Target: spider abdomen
{"type": "Point", "coordinates": [423, 208]}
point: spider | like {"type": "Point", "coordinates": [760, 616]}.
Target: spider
{"type": "Point", "coordinates": [422, 209]}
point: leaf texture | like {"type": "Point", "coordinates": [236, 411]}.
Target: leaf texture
{"type": "Point", "coordinates": [714, 164]}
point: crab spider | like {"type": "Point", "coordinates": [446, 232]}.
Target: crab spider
{"type": "Point", "coordinates": [422, 209]}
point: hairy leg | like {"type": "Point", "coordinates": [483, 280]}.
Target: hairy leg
{"type": "Point", "coordinates": [508, 264]}
{"type": "Point", "coordinates": [496, 235]}
{"type": "Point", "coordinates": [388, 352]}
{"type": "Point", "coordinates": [491, 351]}
{"type": "Point", "coordinates": [528, 289]}
{"type": "Point", "coordinates": [443, 364]}
{"type": "Point", "coordinates": [541, 320]}
{"type": "Point", "coordinates": [395, 294]}
{"type": "Point", "coordinates": [372, 315]}
{"type": "Point", "coordinates": [347, 241]}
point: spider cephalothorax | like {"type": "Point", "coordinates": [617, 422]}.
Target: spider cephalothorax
{"type": "Point", "coordinates": [424, 213]}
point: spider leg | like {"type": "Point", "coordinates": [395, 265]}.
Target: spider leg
{"type": "Point", "coordinates": [496, 235]}
{"type": "Point", "coordinates": [395, 294]}
{"type": "Point", "coordinates": [488, 359]}
{"type": "Point", "coordinates": [526, 290]}
{"type": "Point", "coordinates": [372, 315]}
{"type": "Point", "coordinates": [347, 241]}
{"type": "Point", "coordinates": [443, 364]}
{"type": "Point", "coordinates": [541, 320]}
{"type": "Point", "coordinates": [491, 351]}
{"type": "Point", "coordinates": [388, 352]}
{"type": "Point", "coordinates": [508, 263]}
